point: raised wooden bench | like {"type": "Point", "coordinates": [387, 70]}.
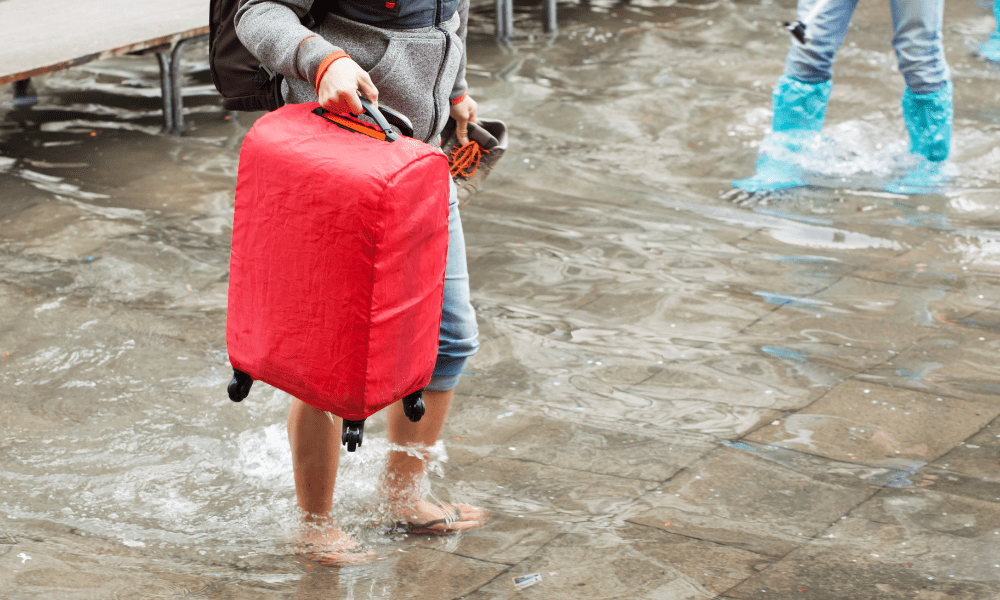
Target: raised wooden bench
{"type": "Point", "coordinates": [42, 37]}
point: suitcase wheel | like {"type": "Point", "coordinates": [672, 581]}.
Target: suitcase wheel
{"type": "Point", "coordinates": [413, 406]}
{"type": "Point", "coordinates": [352, 434]}
{"type": "Point", "coordinates": [239, 387]}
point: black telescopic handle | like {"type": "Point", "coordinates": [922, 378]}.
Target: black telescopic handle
{"type": "Point", "coordinates": [384, 116]}
{"type": "Point", "coordinates": [376, 116]}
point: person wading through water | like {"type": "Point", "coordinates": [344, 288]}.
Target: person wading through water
{"type": "Point", "coordinates": [412, 58]}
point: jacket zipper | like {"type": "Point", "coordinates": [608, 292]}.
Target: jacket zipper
{"type": "Point", "coordinates": [444, 59]}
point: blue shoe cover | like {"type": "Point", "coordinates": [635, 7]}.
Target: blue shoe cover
{"type": "Point", "coordinates": [798, 105]}
{"type": "Point", "coordinates": [772, 174]}
{"type": "Point", "coordinates": [799, 110]}
{"type": "Point", "coordinates": [925, 179]}
{"type": "Point", "coordinates": [928, 120]}
{"type": "Point", "coordinates": [990, 49]}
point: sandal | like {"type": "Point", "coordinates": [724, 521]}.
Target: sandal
{"type": "Point", "coordinates": [436, 526]}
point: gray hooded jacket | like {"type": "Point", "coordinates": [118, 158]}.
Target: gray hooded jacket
{"type": "Point", "coordinates": [417, 71]}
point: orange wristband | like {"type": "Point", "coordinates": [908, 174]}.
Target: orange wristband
{"type": "Point", "coordinates": [459, 99]}
{"type": "Point", "coordinates": [323, 66]}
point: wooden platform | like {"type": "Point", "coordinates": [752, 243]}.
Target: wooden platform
{"type": "Point", "coordinates": [41, 37]}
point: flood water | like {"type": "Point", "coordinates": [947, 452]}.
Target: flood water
{"type": "Point", "coordinates": [682, 392]}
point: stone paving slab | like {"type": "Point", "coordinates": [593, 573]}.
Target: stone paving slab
{"type": "Point", "coordinates": [639, 406]}
{"type": "Point", "coordinates": [534, 489]}
{"type": "Point", "coordinates": [627, 454]}
{"type": "Point", "coordinates": [418, 570]}
{"type": "Point", "coordinates": [822, 361]}
{"type": "Point", "coordinates": [851, 310]}
{"type": "Point", "coordinates": [782, 382]}
{"type": "Point", "coordinates": [895, 472]}
{"type": "Point", "coordinates": [900, 544]}
{"type": "Point", "coordinates": [977, 455]}
{"type": "Point", "coordinates": [824, 238]}
{"type": "Point", "coordinates": [675, 313]}
{"type": "Point", "coordinates": [976, 293]}
{"type": "Point", "coordinates": [565, 375]}
{"type": "Point", "coordinates": [796, 274]}
{"type": "Point", "coordinates": [742, 501]}
{"type": "Point", "coordinates": [81, 567]}
{"type": "Point", "coordinates": [506, 540]}
{"type": "Point", "coordinates": [813, 573]}
{"type": "Point", "coordinates": [865, 422]}
{"type": "Point", "coordinates": [964, 364]}
{"type": "Point", "coordinates": [633, 562]}
{"type": "Point", "coordinates": [970, 469]}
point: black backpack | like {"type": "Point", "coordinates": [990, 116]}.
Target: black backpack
{"type": "Point", "coordinates": [244, 83]}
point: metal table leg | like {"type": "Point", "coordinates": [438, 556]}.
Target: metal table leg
{"type": "Point", "coordinates": [505, 20]}
{"type": "Point", "coordinates": [166, 87]}
{"type": "Point", "coordinates": [24, 94]}
{"type": "Point", "coordinates": [549, 16]}
{"type": "Point", "coordinates": [177, 84]}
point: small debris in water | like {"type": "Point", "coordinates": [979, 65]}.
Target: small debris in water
{"type": "Point", "coordinates": [24, 557]}
{"type": "Point", "coordinates": [523, 581]}
{"type": "Point", "coordinates": [506, 414]}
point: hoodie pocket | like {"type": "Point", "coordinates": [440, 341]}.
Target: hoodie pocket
{"type": "Point", "coordinates": [385, 65]}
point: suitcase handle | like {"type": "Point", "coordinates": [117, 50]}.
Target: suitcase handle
{"type": "Point", "coordinates": [394, 117]}
{"type": "Point", "coordinates": [382, 117]}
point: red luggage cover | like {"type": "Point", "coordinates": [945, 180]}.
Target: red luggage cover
{"type": "Point", "coordinates": [337, 268]}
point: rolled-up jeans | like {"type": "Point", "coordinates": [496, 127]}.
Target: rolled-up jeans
{"type": "Point", "coordinates": [457, 340]}
{"type": "Point", "coordinates": [917, 40]}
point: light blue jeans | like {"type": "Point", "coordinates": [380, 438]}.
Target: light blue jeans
{"type": "Point", "coordinates": [459, 332]}
{"type": "Point", "coordinates": [917, 40]}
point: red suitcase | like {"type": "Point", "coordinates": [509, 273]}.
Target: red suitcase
{"type": "Point", "coordinates": [340, 238]}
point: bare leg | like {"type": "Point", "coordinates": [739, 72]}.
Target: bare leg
{"type": "Point", "coordinates": [404, 471]}
{"type": "Point", "coordinates": [314, 439]}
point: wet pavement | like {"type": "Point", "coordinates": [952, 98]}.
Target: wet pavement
{"type": "Point", "coordinates": [682, 392]}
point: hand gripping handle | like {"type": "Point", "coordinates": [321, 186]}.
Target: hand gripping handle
{"type": "Point", "coordinates": [382, 118]}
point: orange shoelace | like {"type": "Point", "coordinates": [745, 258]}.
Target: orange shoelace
{"type": "Point", "coordinates": [464, 159]}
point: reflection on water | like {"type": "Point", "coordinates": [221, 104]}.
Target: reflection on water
{"type": "Point", "coordinates": [669, 371]}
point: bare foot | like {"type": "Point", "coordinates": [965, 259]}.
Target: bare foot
{"type": "Point", "coordinates": [425, 517]}
{"type": "Point", "coordinates": [326, 543]}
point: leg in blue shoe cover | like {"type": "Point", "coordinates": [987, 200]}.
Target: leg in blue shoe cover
{"type": "Point", "coordinates": [799, 106]}
{"type": "Point", "coordinates": [927, 178]}
{"type": "Point", "coordinates": [990, 49]}
{"type": "Point", "coordinates": [799, 111]}
{"type": "Point", "coordinates": [928, 120]}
